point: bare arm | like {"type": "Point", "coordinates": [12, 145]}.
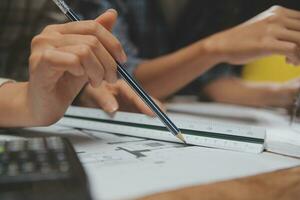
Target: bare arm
{"type": "Point", "coordinates": [63, 59]}
{"type": "Point", "coordinates": [275, 31]}
{"type": "Point", "coordinates": [13, 106]}
{"type": "Point", "coordinates": [166, 75]}
{"type": "Point", "coordinates": [237, 91]}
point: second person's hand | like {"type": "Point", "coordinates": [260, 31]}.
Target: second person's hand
{"type": "Point", "coordinates": [275, 31]}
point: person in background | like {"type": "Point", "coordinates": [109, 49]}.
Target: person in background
{"type": "Point", "coordinates": [270, 81]}
{"type": "Point", "coordinates": [63, 59]}
{"type": "Point", "coordinates": [159, 57]}
{"type": "Point", "coordinates": [172, 44]}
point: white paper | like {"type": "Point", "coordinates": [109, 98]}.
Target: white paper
{"type": "Point", "coordinates": [121, 167]}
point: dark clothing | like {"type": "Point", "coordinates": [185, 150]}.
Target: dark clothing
{"type": "Point", "coordinates": [143, 28]}
{"type": "Point", "coordinates": [20, 20]}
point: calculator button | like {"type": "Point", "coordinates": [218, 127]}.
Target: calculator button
{"type": "Point", "coordinates": [64, 167]}
{"type": "Point", "coordinates": [55, 144]}
{"type": "Point", "coordinates": [28, 167]}
{"type": "Point", "coordinates": [24, 155]}
{"type": "Point", "coordinates": [15, 146]}
{"type": "Point", "coordinates": [2, 171]}
{"type": "Point", "coordinates": [36, 144]}
{"type": "Point", "coordinates": [12, 169]}
{"type": "Point", "coordinates": [5, 157]}
{"type": "Point", "coordinates": [41, 157]}
{"type": "Point", "coordinates": [45, 168]}
{"type": "Point", "coordinates": [61, 156]}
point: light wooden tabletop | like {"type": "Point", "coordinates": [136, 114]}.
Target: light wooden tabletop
{"type": "Point", "coordinates": [279, 185]}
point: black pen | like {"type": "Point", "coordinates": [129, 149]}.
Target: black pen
{"type": "Point", "coordinates": [133, 84]}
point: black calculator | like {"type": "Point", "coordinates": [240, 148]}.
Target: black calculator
{"type": "Point", "coordinates": [41, 169]}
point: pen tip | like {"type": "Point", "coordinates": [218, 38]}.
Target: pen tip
{"type": "Point", "coordinates": [180, 137]}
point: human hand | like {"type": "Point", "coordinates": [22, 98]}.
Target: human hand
{"type": "Point", "coordinates": [113, 97]}
{"type": "Point", "coordinates": [64, 58]}
{"type": "Point", "coordinates": [283, 95]}
{"type": "Point", "coordinates": [275, 31]}
{"type": "Point", "coordinates": [234, 90]}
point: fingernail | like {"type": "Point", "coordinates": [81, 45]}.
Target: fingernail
{"type": "Point", "coordinates": [123, 57]}
{"type": "Point", "coordinates": [111, 10]}
{"type": "Point", "coordinates": [153, 115]}
{"type": "Point", "coordinates": [111, 107]}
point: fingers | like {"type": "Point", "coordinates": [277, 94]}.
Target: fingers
{"type": "Point", "coordinates": [292, 24]}
{"type": "Point", "coordinates": [93, 68]}
{"type": "Point", "coordinates": [290, 13]}
{"type": "Point", "coordinates": [143, 108]}
{"type": "Point", "coordinates": [54, 61]}
{"type": "Point", "coordinates": [137, 103]}
{"type": "Point", "coordinates": [290, 36]}
{"type": "Point", "coordinates": [289, 49]}
{"type": "Point", "coordinates": [93, 43]}
{"type": "Point", "coordinates": [160, 104]}
{"type": "Point", "coordinates": [112, 97]}
{"type": "Point", "coordinates": [108, 19]}
{"type": "Point", "coordinates": [107, 102]}
{"type": "Point", "coordinates": [105, 99]}
{"type": "Point", "coordinates": [93, 28]}
{"type": "Point", "coordinates": [60, 40]}
{"type": "Point", "coordinates": [283, 25]}
{"type": "Point", "coordinates": [289, 45]}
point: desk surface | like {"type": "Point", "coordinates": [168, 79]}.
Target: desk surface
{"type": "Point", "coordinates": [121, 167]}
{"type": "Point", "coordinates": [280, 185]}
{"type": "Point", "coordinates": [116, 170]}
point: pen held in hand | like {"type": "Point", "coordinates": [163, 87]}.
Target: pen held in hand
{"type": "Point", "coordinates": [133, 84]}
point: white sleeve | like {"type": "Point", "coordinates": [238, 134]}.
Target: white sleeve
{"type": "Point", "coordinates": [3, 81]}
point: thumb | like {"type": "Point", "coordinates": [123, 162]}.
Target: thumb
{"type": "Point", "coordinates": [108, 19]}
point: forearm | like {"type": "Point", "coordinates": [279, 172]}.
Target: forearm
{"type": "Point", "coordinates": [165, 75]}
{"type": "Point", "coordinates": [275, 31]}
{"type": "Point", "coordinates": [14, 111]}
{"type": "Point", "coordinates": [236, 91]}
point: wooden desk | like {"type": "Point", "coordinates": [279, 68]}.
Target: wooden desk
{"type": "Point", "coordinates": [280, 185]}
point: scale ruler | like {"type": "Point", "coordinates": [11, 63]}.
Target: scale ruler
{"type": "Point", "coordinates": [196, 132]}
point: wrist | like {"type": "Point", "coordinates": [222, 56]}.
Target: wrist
{"type": "Point", "coordinates": [39, 109]}
{"type": "Point", "coordinates": [26, 106]}
{"type": "Point", "coordinates": [214, 47]}
{"type": "Point", "coordinates": [16, 106]}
